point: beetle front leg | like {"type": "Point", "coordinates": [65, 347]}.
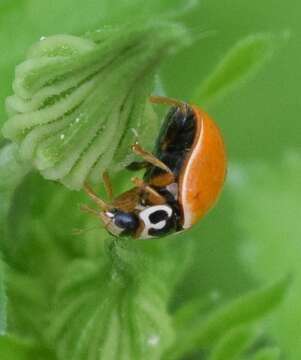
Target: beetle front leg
{"type": "Point", "coordinates": [107, 184]}
{"type": "Point", "coordinates": [152, 195]}
{"type": "Point", "coordinates": [137, 165]}
{"type": "Point", "coordinates": [149, 157]}
{"type": "Point", "coordinates": [164, 100]}
{"type": "Point", "coordinates": [90, 192]}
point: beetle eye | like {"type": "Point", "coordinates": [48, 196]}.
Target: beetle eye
{"type": "Point", "coordinates": [127, 221]}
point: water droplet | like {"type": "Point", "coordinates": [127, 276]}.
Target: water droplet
{"type": "Point", "coordinates": [62, 136]}
{"type": "Point", "coordinates": [135, 132]}
{"type": "Point", "coordinates": [153, 340]}
{"type": "Point", "coordinates": [79, 117]}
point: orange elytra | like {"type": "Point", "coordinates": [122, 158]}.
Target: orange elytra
{"type": "Point", "coordinates": [204, 170]}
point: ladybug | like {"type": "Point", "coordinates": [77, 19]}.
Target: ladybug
{"type": "Point", "coordinates": [182, 180]}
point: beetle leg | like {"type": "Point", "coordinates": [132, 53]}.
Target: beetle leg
{"type": "Point", "coordinates": [107, 184]}
{"type": "Point", "coordinates": [162, 180]}
{"type": "Point", "coordinates": [83, 231]}
{"type": "Point", "coordinates": [88, 209]}
{"type": "Point", "coordinates": [149, 157]}
{"type": "Point", "coordinates": [154, 99]}
{"type": "Point", "coordinates": [137, 165]}
{"type": "Point", "coordinates": [153, 196]}
{"type": "Point", "coordinates": [90, 192]}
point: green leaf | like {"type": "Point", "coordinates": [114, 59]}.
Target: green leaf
{"type": "Point", "coordinates": [269, 353]}
{"type": "Point", "coordinates": [109, 311]}
{"type": "Point", "coordinates": [12, 172]}
{"type": "Point", "coordinates": [233, 344]}
{"type": "Point", "coordinates": [38, 240]}
{"type": "Point", "coordinates": [241, 61]}
{"type": "Point", "coordinates": [37, 245]}
{"type": "Point", "coordinates": [191, 313]}
{"type": "Point", "coordinates": [88, 15]}
{"type": "Point", "coordinates": [27, 306]}
{"type": "Point", "coordinates": [270, 195]}
{"type": "Point", "coordinates": [78, 99]}
{"type": "Point", "coordinates": [243, 310]}
{"type": "Point", "coordinates": [12, 348]}
{"type": "Point", "coordinates": [2, 301]}
{"type": "Point", "coordinates": [191, 310]}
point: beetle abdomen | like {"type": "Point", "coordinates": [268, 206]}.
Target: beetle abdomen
{"type": "Point", "coordinates": [175, 140]}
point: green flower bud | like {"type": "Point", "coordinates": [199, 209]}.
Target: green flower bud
{"type": "Point", "coordinates": [79, 102]}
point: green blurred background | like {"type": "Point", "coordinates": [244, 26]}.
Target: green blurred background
{"type": "Point", "coordinates": [271, 100]}
{"type": "Point", "coordinates": [254, 234]}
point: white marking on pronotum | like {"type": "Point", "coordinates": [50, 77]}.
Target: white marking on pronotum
{"type": "Point", "coordinates": [145, 217]}
{"type": "Point", "coordinates": [185, 188]}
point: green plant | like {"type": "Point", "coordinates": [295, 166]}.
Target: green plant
{"type": "Point", "coordinates": [93, 296]}
{"type": "Point", "coordinates": [2, 302]}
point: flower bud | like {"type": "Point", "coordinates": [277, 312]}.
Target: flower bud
{"type": "Point", "coordinates": [79, 102]}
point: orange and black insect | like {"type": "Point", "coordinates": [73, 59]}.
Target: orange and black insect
{"type": "Point", "coordinates": [183, 177]}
